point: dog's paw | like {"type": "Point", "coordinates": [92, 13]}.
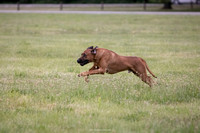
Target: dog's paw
{"type": "Point", "coordinates": [80, 75]}
{"type": "Point", "coordinates": [86, 79]}
{"type": "Point", "coordinates": [83, 74]}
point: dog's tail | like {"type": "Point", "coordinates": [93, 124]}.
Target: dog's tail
{"type": "Point", "coordinates": [148, 67]}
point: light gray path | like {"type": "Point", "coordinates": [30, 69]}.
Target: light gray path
{"type": "Point", "coordinates": [102, 12]}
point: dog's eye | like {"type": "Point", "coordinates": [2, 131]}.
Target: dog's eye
{"type": "Point", "coordinates": [84, 55]}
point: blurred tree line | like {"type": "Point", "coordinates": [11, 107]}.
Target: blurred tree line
{"type": "Point", "coordinates": [80, 1]}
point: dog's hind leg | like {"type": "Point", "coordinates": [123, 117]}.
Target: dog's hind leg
{"type": "Point", "coordinates": [140, 71]}
{"type": "Point", "coordinates": [146, 79]}
{"type": "Point", "coordinates": [133, 71]}
{"type": "Point", "coordinates": [143, 77]}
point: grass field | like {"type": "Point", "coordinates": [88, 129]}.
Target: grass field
{"type": "Point", "coordinates": [40, 90]}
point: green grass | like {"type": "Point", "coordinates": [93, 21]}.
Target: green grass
{"type": "Point", "coordinates": [40, 90]}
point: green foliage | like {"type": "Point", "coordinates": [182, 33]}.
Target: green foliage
{"type": "Point", "coordinates": [40, 90]}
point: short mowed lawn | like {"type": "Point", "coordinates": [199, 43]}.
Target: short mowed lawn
{"type": "Point", "coordinates": [41, 92]}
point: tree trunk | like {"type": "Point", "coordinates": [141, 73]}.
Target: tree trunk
{"type": "Point", "coordinates": [167, 5]}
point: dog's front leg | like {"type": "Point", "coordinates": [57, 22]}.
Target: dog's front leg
{"type": "Point", "coordinates": [93, 71]}
{"type": "Point", "coordinates": [83, 73]}
{"type": "Point", "coordinates": [86, 79]}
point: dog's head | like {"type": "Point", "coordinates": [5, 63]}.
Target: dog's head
{"type": "Point", "coordinates": [87, 56]}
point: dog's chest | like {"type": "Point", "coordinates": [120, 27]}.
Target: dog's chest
{"type": "Point", "coordinates": [111, 70]}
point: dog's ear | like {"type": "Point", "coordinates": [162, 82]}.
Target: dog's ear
{"type": "Point", "coordinates": [94, 51]}
{"type": "Point", "coordinates": [91, 47]}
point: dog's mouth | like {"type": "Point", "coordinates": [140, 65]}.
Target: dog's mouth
{"type": "Point", "coordinates": [82, 63]}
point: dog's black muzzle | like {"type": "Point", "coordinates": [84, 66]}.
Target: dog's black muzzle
{"type": "Point", "coordinates": [82, 62]}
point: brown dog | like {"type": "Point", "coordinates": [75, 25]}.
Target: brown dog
{"type": "Point", "coordinates": [106, 61]}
